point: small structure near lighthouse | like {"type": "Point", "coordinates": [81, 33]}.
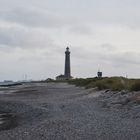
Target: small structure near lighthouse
{"type": "Point", "coordinates": [67, 70]}
{"type": "Point", "coordinates": [99, 74]}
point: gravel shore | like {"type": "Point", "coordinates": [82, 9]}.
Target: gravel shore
{"type": "Point", "coordinates": [58, 111]}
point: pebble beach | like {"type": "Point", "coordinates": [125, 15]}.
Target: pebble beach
{"type": "Point", "coordinates": [58, 111]}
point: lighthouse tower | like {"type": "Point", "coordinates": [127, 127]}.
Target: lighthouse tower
{"type": "Point", "coordinates": [67, 72]}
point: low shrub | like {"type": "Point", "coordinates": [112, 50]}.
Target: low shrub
{"type": "Point", "coordinates": [135, 85]}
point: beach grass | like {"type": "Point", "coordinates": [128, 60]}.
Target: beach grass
{"type": "Point", "coordinates": [111, 83]}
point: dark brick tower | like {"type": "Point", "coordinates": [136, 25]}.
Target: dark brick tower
{"type": "Point", "coordinates": [67, 63]}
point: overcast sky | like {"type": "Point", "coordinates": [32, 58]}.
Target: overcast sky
{"type": "Point", "coordinates": [101, 34]}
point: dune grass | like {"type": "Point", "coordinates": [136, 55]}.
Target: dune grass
{"type": "Point", "coordinates": [111, 83]}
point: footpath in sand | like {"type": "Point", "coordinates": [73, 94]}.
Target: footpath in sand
{"type": "Point", "coordinates": [58, 111]}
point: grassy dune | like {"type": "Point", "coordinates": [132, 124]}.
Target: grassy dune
{"type": "Point", "coordinates": [112, 83]}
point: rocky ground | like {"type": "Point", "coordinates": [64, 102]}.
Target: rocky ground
{"type": "Point", "coordinates": [58, 111]}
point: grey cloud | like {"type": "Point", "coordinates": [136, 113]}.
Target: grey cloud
{"type": "Point", "coordinates": [43, 18]}
{"type": "Point", "coordinates": [107, 47]}
{"type": "Point", "coordinates": [122, 16]}
{"type": "Point", "coordinates": [81, 29]}
{"type": "Point", "coordinates": [24, 38]}
{"type": "Point", "coordinates": [126, 58]}
{"type": "Point", "coordinates": [110, 12]}
{"type": "Point", "coordinates": [32, 17]}
{"type": "Point", "coordinates": [118, 59]}
{"type": "Point", "coordinates": [93, 52]}
{"type": "Point", "coordinates": [106, 54]}
{"type": "Point", "coordinates": [60, 14]}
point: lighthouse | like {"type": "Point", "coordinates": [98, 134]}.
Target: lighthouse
{"type": "Point", "coordinates": [67, 68]}
{"type": "Point", "coordinates": [67, 71]}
